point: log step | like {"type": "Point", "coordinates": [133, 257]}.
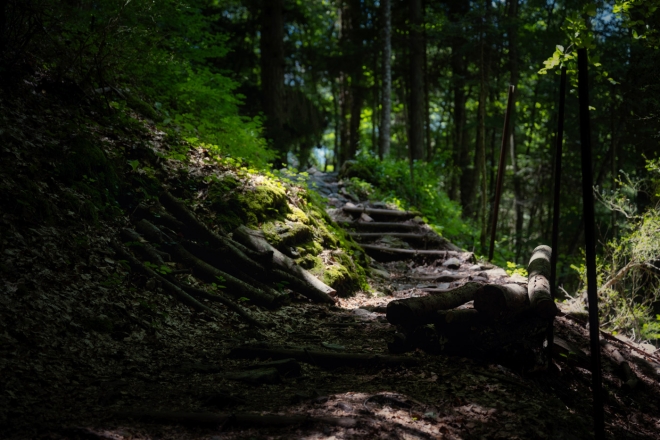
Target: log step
{"type": "Point", "coordinates": [378, 226]}
{"type": "Point", "coordinates": [408, 236]}
{"type": "Point", "coordinates": [383, 253]}
{"type": "Point", "coordinates": [374, 212]}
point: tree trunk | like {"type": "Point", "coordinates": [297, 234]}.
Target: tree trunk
{"type": "Point", "coordinates": [512, 32]}
{"type": "Point", "coordinates": [480, 154]}
{"type": "Point", "coordinates": [357, 88]}
{"type": "Point", "coordinates": [272, 74]}
{"type": "Point", "coordinates": [412, 312]}
{"type": "Point", "coordinates": [386, 94]}
{"type": "Point", "coordinates": [416, 137]}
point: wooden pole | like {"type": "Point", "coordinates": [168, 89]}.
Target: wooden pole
{"type": "Point", "coordinates": [500, 172]}
{"type": "Point", "coordinates": [590, 243]}
{"type": "Point", "coordinates": [555, 209]}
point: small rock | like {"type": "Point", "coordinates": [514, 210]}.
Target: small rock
{"type": "Point", "coordinates": [452, 263]}
{"type": "Point", "coordinates": [336, 347]}
{"type": "Point", "coordinates": [496, 273]}
{"type": "Point", "coordinates": [475, 267]}
{"type": "Point", "coordinates": [365, 218]}
{"type": "Point", "coordinates": [380, 273]}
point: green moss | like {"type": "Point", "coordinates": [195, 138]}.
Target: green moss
{"type": "Point", "coordinates": [282, 234]}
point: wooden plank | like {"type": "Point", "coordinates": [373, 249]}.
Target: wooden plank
{"type": "Point", "coordinates": [373, 212]}
{"type": "Point", "coordinates": [379, 226]}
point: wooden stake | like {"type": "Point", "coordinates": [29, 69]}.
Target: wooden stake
{"type": "Point", "coordinates": [590, 243]}
{"type": "Point", "coordinates": [555, 208]}
{"type": "Point", "coordinates": [500, 172]}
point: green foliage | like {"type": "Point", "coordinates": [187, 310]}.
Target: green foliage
{"type": "Point", "coordinates": [515, 269]}
{"type": "Point", "coordinates": [642, 17]}
{"type": "Point", "coordinates": [390, 180]}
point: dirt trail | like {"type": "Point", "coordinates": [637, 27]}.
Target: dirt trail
{"type": "Point", "coordinates": [186, 382]}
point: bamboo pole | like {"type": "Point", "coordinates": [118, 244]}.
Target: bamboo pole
{"type": "Point", "coordinates": [590, 243]}
{"type": "Point", "coordinates": [500, 172]}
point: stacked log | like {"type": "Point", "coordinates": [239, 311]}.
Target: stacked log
{"type": "Point", "coordinates": [246, 268]}
{"type": "Point", "coordinates": [507, 322]}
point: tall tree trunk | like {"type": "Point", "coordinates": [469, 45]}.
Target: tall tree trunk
{"type": "Point", "coordinates": [515, 77]}
{"type": "Point", "coordinates": [480, 153]}
{"type": "Point", "coordinates": [357, 89]}
{"type": "Point", "coordinates": [272, 74]}
{"type": "Point", "coordinates": [461, 180]}
{"type": "Point", "coordinates": [427, 95]}
{"type": "Point", "coordinates": [386, 93]}
{"type": "Point", "coordinates": [416, 117]}
{"type": "Point", "coordinates": [344, 86]}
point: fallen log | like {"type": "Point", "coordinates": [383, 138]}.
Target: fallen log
{"type": "Point", "coordinates": [458, 318]}
{"type": "Point", "coordinates": [215, 420]}
{"type": "Point", "coordinates": [324, 359]}
{"type": "Point", "coordinates": [383, 253]}
{"type": "Point", "coordinates": [311, 287]}
{"type": "Point", "coordinates": [499, 302]}
{"type": "Point", "coordinates": [203, 294]}
{"type": "Point", "coordinates": [630, 380]}
{"type": "Point", "coordinates": [267, 297]}
{"type": "Point", "coordinates": [155, 256]}
{"type": "Point", "coordinates": [538, 286]}
{"type": "Point", "coordinates": [411, 312]}
{"type": "Point", "coordinates": [175, 290]}
{"type": "Point", "coordinates": [374, 212]}
{"type": "Point", "coordinates": [379, 226]}
{"type": "Point", "coordinates": [198, 229]}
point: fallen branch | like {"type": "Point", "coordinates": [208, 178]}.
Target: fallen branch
{"type": "Point", "coordinates": [176, 291]}
{"type": "Point", "coordinates": [223, 420]}
{"type": "Point", "coordinates": [143, 247]}
{"type": "Point", "coordinates": [412, 312]}
{"type": "Point", "coordinates": [630, 380]}
{"type": "Point", "coordinates": [311, 287]}
{"type": "Point", "coordinates": [237, 287]}
{"type": "Point", "coordinates": [323, 359]}
{"type": "Point", "coordinates": [203, 294]}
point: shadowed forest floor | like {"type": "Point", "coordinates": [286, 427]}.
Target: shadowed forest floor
{"type": "Point", "coordinates": [73, 385]}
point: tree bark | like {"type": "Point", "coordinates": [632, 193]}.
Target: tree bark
{"type": "Point", "coordinates": [412, 312]}
{"type": "Point", "coordinates": [499, 302]}
{"type": "Point", "coordinates": [416, 111]}
{"type": "Point", "coordinates": [272, 74]}
{"type": "Point", "coordinates": [386, 94]}
{"type": "Point", "coordinates": [316, 290]}
{"type": "Point", "coordinates": [538, 286]}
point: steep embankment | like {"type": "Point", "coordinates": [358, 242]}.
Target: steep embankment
{"type": "Point", "coordinates": [105, 333]}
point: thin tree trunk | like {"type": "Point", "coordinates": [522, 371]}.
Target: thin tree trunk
{"type": "Point", "coordinates": [272, 74]}
{"type": "Point", "coordinates": [416, 82]}
{"type": "Point", "coordinates": [515, 77]}
{"type": "Point", "coordinates": [386, 93]}
{"type": "Point", "coordinates": [357, 89]}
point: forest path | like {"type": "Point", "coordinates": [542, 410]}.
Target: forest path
{"type": "Point", "coordinates": [197, 378]}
